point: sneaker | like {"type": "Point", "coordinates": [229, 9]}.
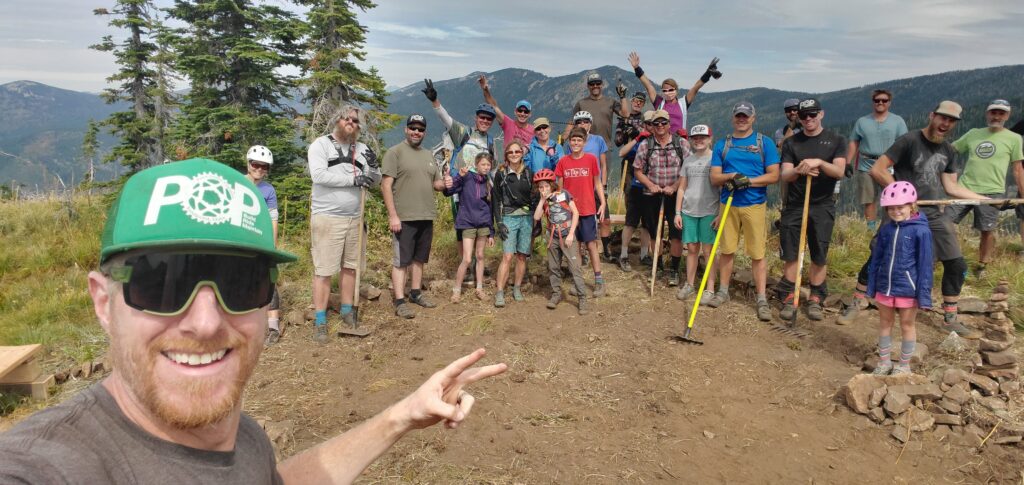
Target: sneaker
{"type": "Point", "coordinates": [584, 306]}
{"type": "Point", "coordinates": [349, 319]}
{"type": "Point", "coordinates": [764, 312]}
{"type": "Point", "coordinates": [273, 336]}
{"type": "Point", "coordinates": [646, 260]}
{"type": "Point", "coordinates": [517, 294]}
{"type": "Point", "coordinates": [788, 311]}
{"type": "Point", "coordinates": [850, 312]}
{"type": "Point", "coordinates": [706, 297]}
{"type": "Point", "coordinates": [405, 311]}
{"type": "Point", "coordinates": [961, 330]}
{"type": "Point", "coordinates": [599, 289]}
{"type": "Point", "coordinates": [499, 299]}
{"type": "Point", "coordinates": [423, 300]}
{"type": "Point", "coordinates": [718, 300]}
{"type": "Point", "coordinates": [624, 265]}
{"type": "Point", "coordinates": [814, 310]}
{"type": "Point", "coordinates": [901, 369]}
{"type": "Point", "coordinates": [673, 278]}
{"type": "Point", "coordinates": [320, 335]}
{"type": "Point", "coordinates": [883, 368]}
{"type": "Point", "coordinates": [555, 298]}
{"type": "Point", "coordinates": [979, 271]}
{"type": "Point", "coordinates": [609, 258]}
{"type": "Point", "coordinates": [685, 292]}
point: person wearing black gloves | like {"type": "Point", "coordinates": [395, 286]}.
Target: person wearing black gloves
{"type": "Point", "coordinates": [669, 99]}
{"type": "Point", "coordinates": [341, 167]}
{"type": "Point", "coordinates": [512, 205]}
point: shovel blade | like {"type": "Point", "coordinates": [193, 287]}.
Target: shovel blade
{"type": "Point", "coordinates": [353, 331]}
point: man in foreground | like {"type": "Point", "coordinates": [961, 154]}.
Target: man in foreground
{"type": "Point", "coordinates": [187, 269]}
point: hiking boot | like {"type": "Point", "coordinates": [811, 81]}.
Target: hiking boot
{"type": "Point", "coordinates": [883, 368]}
{"type": "Point", "coordinates": [517, 294]}
{"type": "Point", "coordinates": [901, 369]}
{"type": "Point", "coordinates": [553, 301]}
{"type": "Point", "coordinates": [599, 289]}
{"type": "Point", "coordinates": [719, 299]}
{"type": "Point", "coordinates": [961, 330]}
{"type": "Point", "coordinates": [423, 300]}
{"type": "Point", "coordinates": [685, 292]}
{"type": "Point", "coordinates": [706, 297]}
{"type": "Point", "coordinates": [609, 258]}
{"type": "Point", "coordinates": [814, 310]}
{"type": "Point", "coordinates": [499, 299]}
{"type": "Point", "coordinates": [349, 319]}
{"type": "Point", "coordinates": [673, 277]}
{"type": "Point", "coordinates": [788, 311]}
{"type": "Point", "coordinates": [405, 311]}
{"type": "Point", "coordinates": [979, 271]}
{"type": "Point", "coordinates": [320, 334]}
{"type": "Point", "coordinates": [624, 265]}
{"type": "Point", "coordinates": [273, 336]}
{"type": "Point", "coordinates": [584, 306]}
{"type": "Point", "coordinates": [850, 311]}
{"type": "Point", "coordinates": [764, 311]}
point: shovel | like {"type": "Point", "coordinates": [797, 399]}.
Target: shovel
{"type": "Point", "coordinates": [685, 337]}
{"type": "Point", "coordinates": [355, 330]}
{"type": "Point", "coordinates": [790, 327]}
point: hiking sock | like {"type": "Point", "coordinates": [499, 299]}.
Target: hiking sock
{"type": "Point", "coordinates": [598, 278]}
{"type": "Point", "coordinates": [321, 318]}
{"type": "Point", "coordinates": [606, 242]}
{"type": "Point", "coordinates": [723, 288]}
{"type": "Point", "coordinates": [345, 309]}
{"type": "Point", "coordinates": [675, 263]}
{"type": "Point", "coordinates": [784, 288]}
{"type": "Point", "coordinates": [274, 324]}
{"type": "Point", "coordinates": [820, 291]}
{"type": "Point", "coordinates": [884, 348]}
{"type": "Point", "coordinates": [906, 351]}
{"type": "Point", "coordinates": [949, 311]}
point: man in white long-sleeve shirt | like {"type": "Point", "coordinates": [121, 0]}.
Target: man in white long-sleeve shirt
{"type": "Point", "coordinates": [341, 168]}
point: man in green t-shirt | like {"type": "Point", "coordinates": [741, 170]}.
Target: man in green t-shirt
{"type": "Point", "coordinates": [989, 152]}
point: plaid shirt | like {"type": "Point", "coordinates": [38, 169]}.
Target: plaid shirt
{"type": "Point", "coordinates": [664, 162]}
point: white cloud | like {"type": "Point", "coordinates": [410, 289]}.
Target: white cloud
{"type": "Point", "coordinates": [424, 32]}
{"type": "Point", "coordinates": [386, 52]}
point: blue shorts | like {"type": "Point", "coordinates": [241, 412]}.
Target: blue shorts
{"type": "Point", "coordinates": [520, 230]}
{"type": "Point", "coordinates": [586, 230]}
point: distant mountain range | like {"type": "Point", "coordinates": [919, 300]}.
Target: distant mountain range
{"type": "Point", "coordinates": [42, 126]}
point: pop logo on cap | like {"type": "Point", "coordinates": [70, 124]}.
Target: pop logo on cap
{"type": "Point", "coordinates": [808, 104]}
{"type": "Point", "coordinates": [207, 198]}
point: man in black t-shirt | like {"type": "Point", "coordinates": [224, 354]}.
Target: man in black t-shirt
{"type": "Point", "coordinates": [925, 159]}
{"type": "Point", "coordinates": [819, 155]}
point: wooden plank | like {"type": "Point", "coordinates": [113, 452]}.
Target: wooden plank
{"type": "Point", "coordinates": [37, 389]}
{"type": "Point", "coordinates": [12, 357]}
{"type": "Point", "coordinates": [26, 372]}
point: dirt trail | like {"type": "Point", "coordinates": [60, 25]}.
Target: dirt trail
{"type": "Point", "coordinates": [608, 398]}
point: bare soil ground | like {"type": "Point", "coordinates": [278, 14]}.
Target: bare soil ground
{"type": "Point", "coordinates": [608, 398]}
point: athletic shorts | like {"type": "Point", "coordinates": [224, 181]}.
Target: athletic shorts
{"type": "Point", "coordinates": [868, 190]}
{"type": "Point", "coordinates": [335, 243]}
{"type": "Point", "coordinates": [698, 229]}
{"type": "Point", "coordinates": [476, 232]}
{"type": "Point", "coordinates": [275, 301]}
{"type": "Point", "coordinates": [520, 228]}
{"type": "Point", "coordinates": [749, 221]}
{"type": "Point", "coordinates": [598, 202]}
{"type": "Point", "coordinates": [944, 241]}
{"type": "Point", "coordinates": [895, 301]}
{"type": "Point", "coordinates": [586, 229]}
{"type": "Point", "coordinates": [986, 217]}
{"type": "Point", "coordinates": [633, 211]}
{"type": "Point", "coordinates": [412, 243]}
{"type": "Point", "coordinates": [650, 205]}
{"type": "Point", "coordinates": [820, 221]}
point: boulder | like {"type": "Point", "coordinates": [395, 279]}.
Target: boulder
{"type": "Point", "coordinates": [925, 392]}
{"type": "Point", "coordinates": [900, 433]}
{"type": "Point", "coordinates": [949, 405]}
{"type": "Point", "coordinates": [953, 344]}
{"type": "Point", "coordinates": [997, 316]}
{"type": "Point", "coordinates": [971, 304]}
{"type": "Point", "coordinates": [985, 384]}
{"type": "Point", "coordinates": [957, 394]}
{"type": "Point", "coordinates": [999, 371]}
{"type": "Point", "coordinates": [877, 415]}
{"type": "Point", "coordinates": [918, 419]}
{"type": "Point", "coordinates": [896, 403]}
{"type": "Point", "coordinates": [987, 345]}
{"type": "Point", "coordinates": [997, 306]}
{"type": "Point", "coordinates": [1004, 357]}
{"type": "Point", "coordinates": [904, 379]}
{"type": "Point", "coordinates": [998, 297]}
{"type": "Point", "coordinates": [992, 403]}
{"type": "Point", "coordinates": [857, 392]}
{"type": "Point", "coordinates": [954, 376]}
{"type": "Point", "coordinates": [1007, 440]}
{"type": "Point", "coordinates": [876, 396]}
{"type": "Point", "coordinates": [1009, 386]}
{"type": "Point", "coordinates": [369, 292]}
{"type": "Point", "coordinates": [948, 419]}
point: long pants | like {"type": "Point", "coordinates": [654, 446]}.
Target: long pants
{"type": "Point", "coordinates": [555, 253]}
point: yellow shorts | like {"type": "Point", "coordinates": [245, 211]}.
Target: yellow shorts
{"type": "Point", "coordinates": [335, 243]}
{"type": "Point", "coordinates": [752, 222]}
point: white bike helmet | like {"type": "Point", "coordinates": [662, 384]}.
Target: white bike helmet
{"type": "Point", "coordinates": [260, 153]}
{"type": "Point", "coordinates": [582, 115]}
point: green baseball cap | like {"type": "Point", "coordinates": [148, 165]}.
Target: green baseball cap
{"type": "Point", "coordinates": [195, 203]}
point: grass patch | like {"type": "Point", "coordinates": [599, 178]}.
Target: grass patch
{"type": "Point", "coordinates": [479, 325]}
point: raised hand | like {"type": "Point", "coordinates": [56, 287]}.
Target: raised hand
{"type": "Point", "coordinates": [634, 59]}
{"type": "Point", "coordinates": [429, 91]}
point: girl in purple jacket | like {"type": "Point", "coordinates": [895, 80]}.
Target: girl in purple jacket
{"type": "Point", "coordinates": [473, 219]}
{"type": "Point", "coordinates": [900, 274]}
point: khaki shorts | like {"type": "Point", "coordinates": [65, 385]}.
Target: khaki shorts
{"type": "Point", "coordinates": [335, 243]}
{"type": "Point", "coordinates": [476, 232]}
{"type": "Point", "coordinates": [867, 189]}
{"type": "Point", "coordinates": [751, 222]}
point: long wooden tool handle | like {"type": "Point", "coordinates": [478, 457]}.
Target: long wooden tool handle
{"type": "Point", "coordinates": [657, 243]}
{"type": "Point", "coordinates": [803, 242]}
{"type": "Point", "coordinates": [971, 202]}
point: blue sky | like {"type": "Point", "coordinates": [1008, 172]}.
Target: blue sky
{"type": "Point", "coordinates": [802, 45]}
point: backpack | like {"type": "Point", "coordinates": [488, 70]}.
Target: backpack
{"type": "Point", "coordinates": [455, 154]}
{"type": "Point", "coordinates": [650, 150]}
{"type": "Point", "coordinates": [338, 146]}
{"type": "Point", "coordinates": [759, 145]}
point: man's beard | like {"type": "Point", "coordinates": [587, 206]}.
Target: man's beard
{"type": "Point", "coordinates": [414, 143]}
{"type": "Point", "coordinates": [997, 124]}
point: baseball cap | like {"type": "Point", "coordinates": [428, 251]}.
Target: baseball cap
{"type": "Point", "coordinates": [660, 114]}
{"type": "Point", "coordinates": [743, 107]}
{"type": "Point", "coordinates": [949, 108]}
{"type": "Point", "coordinates": [809, 105]}
{"type": "Point", "coordinates": [594, 78]}
{"type": "Point", "coordinates": [791, 103]}
{"type": "Point", "coordinates": [487, 110]}
{"type": "Point", "coordinates": [640, 95]}
{"type": "Point", "coordinates": [539, 122]}
{"type": "Point", "coordinates": [416, 119]}
{"type": "Point", "coordinates": [700, 130]}
{"type": "Point", "coordinates": [999, 104]}
{"type": "Point", "coordinates": [195, 204]}
{"type": "Point", "coordinates": [524, 104]}
{"type": "Point", "coordinates": [649, 115]}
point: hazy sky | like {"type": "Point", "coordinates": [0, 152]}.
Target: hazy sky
{"type": "Point", "coordinates": [800, 44]}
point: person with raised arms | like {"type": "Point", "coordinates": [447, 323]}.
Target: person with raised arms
{"type": "Point", "coordinates": [518, 129]}
{"type": "Point", "coordinates": [669, 99]}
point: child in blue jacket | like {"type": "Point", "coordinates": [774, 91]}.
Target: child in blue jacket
{"type": "Point", "coordinates": [900, 273]}
{"type": "Point", "coordinates": [473, 219]}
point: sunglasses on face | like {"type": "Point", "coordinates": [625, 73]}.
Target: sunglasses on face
{"type": "Point", "coordinates": [514, 152]}
{"type": "Point", "coordinates": [543, 127]}
{"type": "Point", "coordinates": [165, 284]}
{"type": "Point", "coordinates": [596, 83]}
{"type": "Point", "coordinates": [417, 129]}
{"type": "Point", "coordinates": [809, 116]}
{"type": "Point", "coordinates": [668, 90]}
{"type": "Point", "coordinates": [659, 123]}
{"type": "Point", "coordinates": [486, 119]}
{"type": "Point", "coordinates": [880, 101]}
{"type": "Point", "coordinates": [522, 110]}
{"type": "Point", "coordinates": [351, 119]}
{"type": "Point", "coordinates": [791, 110]}
{"type": "Point", "coordinates": [259, 166]}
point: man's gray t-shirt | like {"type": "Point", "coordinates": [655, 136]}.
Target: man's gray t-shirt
{"type": "Point", "coordinates": [88, 440]}
{"type": "Point", "coordinates": [333, 174]}
{"type": "Point", "coordinates": [700, 197]}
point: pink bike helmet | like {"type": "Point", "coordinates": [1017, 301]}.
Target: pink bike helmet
{"type": "Point", "coordinates": [899, 193]}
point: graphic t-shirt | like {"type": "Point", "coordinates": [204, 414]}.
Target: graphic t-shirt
{"type": "Point", "coordinates": [988, 158]}
{"type": "Point", "coordinates": [414, 172]}
{"type": "Point", "coordinates": [874, 137]}
{"type": "Point", "coordinates": [578, 178]}
{"type": "Point", "coordinates": [700, 197]}
{"type": "Point", "coordinates": [744, 158]}
{"type": "Point", "coordinates": [602, 110]}
{"type": "Point", "coordinates": [512, 131]}
{"type": "Point", "coordinates": [827, 146]}
{"type": "Point", "coordinates": [921, 162]}
{"type": "Point", "coordinates": [559, 213]}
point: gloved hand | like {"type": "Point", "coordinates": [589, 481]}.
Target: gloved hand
{"type": "Point", "coordinates": [620, 89]}
{"type": "Point", "coordinates": [712, 71]}
{"type": "Point", "coordinates": [642, 136]}
{"type": "Point", "coordinates": [631, 132]}
{"type": "Point", "coordinates": [371, 158]}
{"type": "Point", "coordinates": [363, 181]}
{"type": "Point", "coordinates": [740, 182]}
{"type": "Point", "coordinates": [682, 133]}
{"type": "Point", "coordinates": [502, 231]}
{"type": "Point", "coordinates": [429, 91]}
